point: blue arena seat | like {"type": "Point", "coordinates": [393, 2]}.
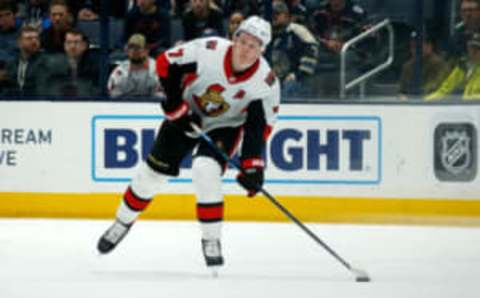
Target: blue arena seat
{"type": "Point", "coordinates": [92, 30]}
{"type": "Point", "coordinates": [176, 30]}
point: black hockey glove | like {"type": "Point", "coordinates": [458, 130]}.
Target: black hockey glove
{"type": "Point", "coordinates": [184, 123]}
{"type": "Point", "coordinates": [251, 176]}
{"type": "Point", "coordinates": [183, 117]}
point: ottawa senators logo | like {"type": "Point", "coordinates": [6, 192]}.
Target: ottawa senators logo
{"type": "Point", "coordinates": [212, 102]}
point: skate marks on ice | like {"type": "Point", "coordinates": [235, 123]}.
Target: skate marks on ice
{"type": "Point", "coordinates": [268, 260]}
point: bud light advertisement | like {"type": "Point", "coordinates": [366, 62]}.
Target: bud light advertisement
{"type": "Point", "coordinates": [301, 150]}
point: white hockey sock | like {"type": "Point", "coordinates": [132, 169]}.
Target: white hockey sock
{"type": "Point", "coordinates": [206, 173]}
{"type": "Point", "coordinates": [211, 230]}
{"type": "Point", "coordinates": [139, 194]}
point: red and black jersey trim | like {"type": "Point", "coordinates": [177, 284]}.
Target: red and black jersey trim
{"type": "Point", "coordinates": [210, 212]}
{"type": "Point", "coordinates": [171, 76]}
{"type": "Point", "coordinates": [134, 202]}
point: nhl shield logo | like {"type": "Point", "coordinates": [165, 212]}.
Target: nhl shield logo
{"type": "Point", "coordinates": [455, 152]}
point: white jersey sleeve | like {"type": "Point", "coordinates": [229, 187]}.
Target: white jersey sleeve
{"type": "Point", "coordinates": [116, 81]}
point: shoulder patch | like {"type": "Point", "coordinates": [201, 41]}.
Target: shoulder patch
{"type": "Point", "coordinates": [176, 54]}
{"type": "Point", "coordinates": [271, 78]}
{"type": "Point", "coordinates": [212, 44]}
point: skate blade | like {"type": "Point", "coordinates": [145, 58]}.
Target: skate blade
{"type": "Point", "coordinates": [214, 271]}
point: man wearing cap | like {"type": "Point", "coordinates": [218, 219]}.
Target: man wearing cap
{"type": "Point", "coordinates": [137, 75]}
{"type": "Point", "coordinates": [228, 90]}
{"type": "Point", "coordinates": [464, 80]}
{"type": "Point", "coordinates": [469, 25]}
{"type": "Point", "coordinates": [434, 67]}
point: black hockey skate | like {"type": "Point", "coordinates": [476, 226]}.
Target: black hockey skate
{"type": "Point", "coordinates": [112, 237]}
{"type": "Point", "coordinates": [212, 251]}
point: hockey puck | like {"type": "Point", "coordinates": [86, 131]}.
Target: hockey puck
{"type": "Point", "coordinates": [362, 279]}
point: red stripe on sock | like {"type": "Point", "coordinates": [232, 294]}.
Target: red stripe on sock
{"type": "Point", "coordinates": [134, 202]}
{"type": "Point", "coordinates": [210, 212]}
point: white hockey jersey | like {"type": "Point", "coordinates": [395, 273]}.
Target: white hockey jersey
{"type": "Point", "coordinates": [210, 87]}
{"type": "Point", "coordinates": [125, 82]}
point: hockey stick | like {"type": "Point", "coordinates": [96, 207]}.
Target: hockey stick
{"type": "Point", "coordinates": [360, 275]}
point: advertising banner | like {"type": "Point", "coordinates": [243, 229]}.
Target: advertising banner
{"type": "Point", "coordinates": [314, 150]}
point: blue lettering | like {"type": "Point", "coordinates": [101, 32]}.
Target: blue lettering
{"type": "Point", "coordinates": [114, 148]}
{"type": "Point", "coordinates": [356, 138]}
{"type": "Point", "coordinates": [288, 149]}
{"type": "Point", "coordinates": [315, 150]}
{"type": "Point", "coordinates": [294, 161]}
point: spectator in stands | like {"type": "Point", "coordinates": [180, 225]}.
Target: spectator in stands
{"type": "Point", "coordinates": [464, 79]}
{"type": "Point", "coordinates": [136, 76]}
{"type": "Point", "coordinates": [9, 26]}
{"type": "Point", "coordinates": [246, 7]}
{"type": "Point", "coordinates": [337, 22]}
{"type": "Point", "coordinates": [3, 77]}
{"type": "Point", "coordinates": [334, 24]}
{"type": "Point", "coordinates": [470, 24]}
{"type": "Point", "coordinates": [154, 23]}
{"type": "Point", "coordinates": [233, 22]}
{"type": "Point", "coordinates": [293, 53]}
{"type": "Point", "coordinates": [202, 18]}
{"type": "Point", "coordinates": [35, 13]}
{"type": "Point", "coordinates": [53, 38]}
{"type": "Point", "coordinates": [25, 71]}
{"type": "Point", "coordinates": [89, 10]}
{"type": "Point", "coordinates": [298, 11]}
{"type": "Point", "coordinates": [75, 72]}
{"type": "Point", "coordinates": [434, 67]}
{"type": "Point", "coordinates": [167, 6]}
{"type": "Point", "coordinates": [179, 7]}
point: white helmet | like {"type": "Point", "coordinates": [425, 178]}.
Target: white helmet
{"type": "Point", "coordinates": [257, 27]}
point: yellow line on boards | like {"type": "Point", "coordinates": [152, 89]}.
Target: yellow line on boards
{"type": "Point", "coordinates": [238, 207]}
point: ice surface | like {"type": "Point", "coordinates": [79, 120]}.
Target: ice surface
{"type": "Point", "coordinates": [58, 258]}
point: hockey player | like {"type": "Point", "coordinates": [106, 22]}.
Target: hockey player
{"type": "Point", "coordinates": [227, 89]}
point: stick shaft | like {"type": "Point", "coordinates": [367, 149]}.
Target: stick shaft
{"type": "Point", "coordinates": [274, 201]}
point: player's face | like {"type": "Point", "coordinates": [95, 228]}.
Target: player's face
{"type": "Point", "coordinates": [246, 50]}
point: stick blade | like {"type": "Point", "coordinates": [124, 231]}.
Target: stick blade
{"type": "Point", "coordinates": [360, 275]}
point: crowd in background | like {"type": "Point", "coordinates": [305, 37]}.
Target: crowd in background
{"type": "Point", "coordinates": [54, 48]}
